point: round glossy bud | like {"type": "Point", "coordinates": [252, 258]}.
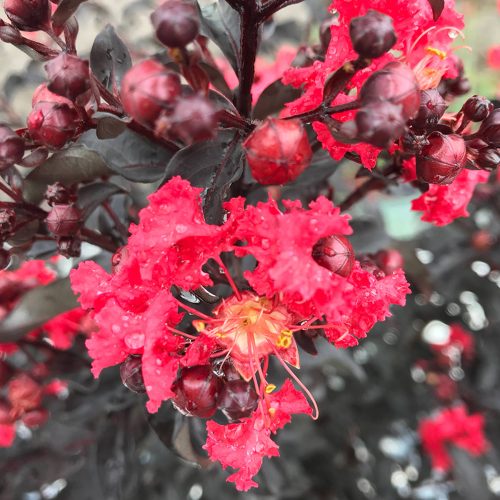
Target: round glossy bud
{"type": "Point", "coordinates": [53, 124]}
{"type": "Point", "coordinates": [196, 391]}
{"type": "Point", "coordinates": [488, 159]}
{"type": "Point", "coordinates": [131, 374]}
{"type": "Point", "coordinates": [24, 394]}
{"type": "Point", "coordinates": [57, 194]}
{"type": "Point", "coordinates": [11, 147]}
{"type": "Point", "coordinates": [278, 151]}
{"type": "Point", "coordinates": [237, 400]}
{"type": "Point", "coordinates": [459, 86]}
{"type": "Point", "coordinates": [69, 246]}
{"type": "Point", "coordinates": [442, 159]}
{"type": "Point", "coordinates": [335, 253]}
{"type": "Point", "coordinates": [7, 222]}
{"type": "Point", "coordinates": [369, 265]}
{"type": "Point", "coordinates": [489, 131]}
{"type": "Point", "coordinates": [35, 418]}
{"type": "Point", "coordinates": [380, 123]}
{"type": "Point", "coordinates": [477, 108]}
{"type": "Point", "coordinates": [64, 220]}
{"type": "Point", "coordinates": [396, 83]}
{"type": "Point", "coordinates": [372, 35]}
{"type": "Point", "coordinates": [148, 89]}
{"type": "Point", "coordinates": [432, 108]}
{"type": "Point", "coordinates": [176, 23]}
{"type": "Point", "coordinates": [68, 75]}
{"type": "Point", "coordinates": [389, 260]}
{"type": "Point", "coordinates": [194, 119]}
{"type": "Point", "coordinates": [28, 15]}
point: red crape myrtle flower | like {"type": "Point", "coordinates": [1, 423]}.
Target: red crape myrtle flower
{"type": "Point", "coordinates": [424, 45]}
{"type": "Point", "coordinates": [442, 204]}
{"type": "Point", "coordinates": [452, 426]}
{"type": "Point", "coordinates": [137, 314]}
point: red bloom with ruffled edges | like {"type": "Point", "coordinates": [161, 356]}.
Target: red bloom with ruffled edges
{"type": "Point", "coordinates": [424, 45]}
{"type": "Point", "coordinates": [137, 314]}
{"type": "Point", "coordinates": [452, 426]}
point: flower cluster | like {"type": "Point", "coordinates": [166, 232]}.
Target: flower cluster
{"type": "Point", "coordinates": [287, 293]}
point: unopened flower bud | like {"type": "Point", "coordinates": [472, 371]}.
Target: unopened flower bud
{"type": "Point", "coordinates": [176, 22]}
{"type": "Point", "coordinates": [64, 220]}
{"type": "Point", "coordinates": [477, 108]}
{"type": "Point", "coordinates": [57, 194]}
{"type": "Point", "coordinates": [488, 159]}
{"type": "Point", "coordinates": [194, 119]}
{"type": "Point", "coordinates": [370, 266]}
{"type": "Point", "coordinates": [28, 15]}
{"type": "Point", "coordinates": [11, 147]}
{"type": "Point", "coordinates": [53, 124]}
{"type": "Point", "coordinates": [389, 260]}
{"type": "Point", "coordinates": [335, 253]}
{"type": "Point", "coordinates": [278, 151]}
{"type": "Point", "coordinates": [131, 374]}
{"type": "Point", "coordinates": [489, 131]}
{"type": "Point", "coordinates": [442, 159]}
{"type": "Point", "coordinates": [196, 391]}
{"type": "Point", "coordinates": [68, 75]}
{"type": "Point", "coordinates": [7, 222]}
{"type": "Point", "coordinates": [237, 399]}
{"type": "Point", "coordinates": [35, 418]}
{"type": "Point", "coordinates": [24, 394]}
{"type": "Point", "coordinates": [372, 35]}
{"type": "Point", "coordinates": [396, 83]}
{"type": "Point", "coordinates": [69, 246]}
{"type": "Point", "coordinates": [432, 108]}
{"type": "Point", "coordinates": [149, 89]}
{"type": "Point", "coordinates": [380, 123]}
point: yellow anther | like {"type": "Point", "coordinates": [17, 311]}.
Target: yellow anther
{"type": "Point", "coordinates": [286, 333]}
{"type": "Point", "coordinates": [284, 342]}
{"type": "Point", "coordinates": [348, 67]}
{"type": "Point", "coordinates": [272, 411]}
{"type": "Point", "coordinates": [436, 52]}
{"type": "Point", "coordinates": [270, 388]}
{"type": "Point", "coordinates": [199, 325]}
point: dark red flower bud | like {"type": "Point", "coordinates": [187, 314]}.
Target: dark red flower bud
{"type": "Point", "coordinates": [68, 75]}
{"type": "Point", "coordinates": [35, 418]}
{"type": "Point", "coordinates": [6, 372]}
{"type": "Point", "coordinates": [196, 391]}
{"type": "Point", "coordinates": [372, 34]}
{"type": "Point", "coordinates": [380, 123]}
{"type": "Point", "coordinates": [7, 222]}
{"type": "Point", "coordinates": [149, 89]}
{"type": "Point", "coordinates": [489, 131]}
{"type": "Point", "coordinates": [131, 374]}
{"type": "Point", "coordinates": [369, 265]}
{"type": "Point", "coordinates": [278, 151]}
{"type": "Point", "coordinates": [335, 253]}
{"type": "Point", "coordinates": [442, 159]}
{"type": "Point", "coordinates": [237, 400]}
{"type": "Point", "coordinates": [69, 246]}
{"type": "Point", "coordinates": [11, 147]}
{"type": "Point", "coordinates": [176, 22]}
{"type": "Point", "coordinates": [194, 119]}
{"type": "Point", "coordinates": [389, 260]}
{"type": "Point", "coordinates": [488, 159]}
{"type": "Point", "coordinates": [5, 413]}
{"type": "Point", "coordinates": [58, 194]}
{"type": "Point", "coordinates": [459, 86]}
{"type": "Point", "coordinates": [432, 108]}
{"type": "Point", "coordinates": [24, 394]}
{"type": "Point", "coordinates": [53, 124]}
{"type": "Point", "coordinates": [28, 15]}
{"type": "Point", "coordinates": [477, 108]}
{"type": "Point", "coordinates": [396, 83]}
{"type": "Point", "coordinates": [64, 220]}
